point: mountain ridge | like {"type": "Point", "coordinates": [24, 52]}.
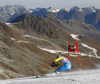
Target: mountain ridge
{"type": "Point", "coordinates": [76, 13]}
{"type": "Point", "coordinates": [76, 27]}
{"type": "Point", "coordinates": [55, 32]}
{"type": "Point", "coordinates": [22, 43]}
{"type": "Point", "coordinates": [8, 13]}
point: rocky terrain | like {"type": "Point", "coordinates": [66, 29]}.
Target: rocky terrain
{"type": "Point", "coordinates": [22, 42]}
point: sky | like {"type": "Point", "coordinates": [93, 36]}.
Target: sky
{"type": "Point", "coordinates": [54, 3]}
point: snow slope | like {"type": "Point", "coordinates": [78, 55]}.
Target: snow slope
{"type": "Point", "coordinates": [77, 77]}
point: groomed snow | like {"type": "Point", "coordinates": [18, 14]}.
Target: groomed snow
{"type": "Point", "coordinates": [77, 77]}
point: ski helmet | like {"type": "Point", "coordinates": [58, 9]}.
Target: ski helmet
{"type": "Point", "coordinates": [58, 56]}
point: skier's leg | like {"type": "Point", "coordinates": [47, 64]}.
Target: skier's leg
{"type": "Point", "coordinates": [65, 67]}
{"type": "Point", "coordinates": [68, 66]}
{"type": "Point", "coordinates": [59, 69]}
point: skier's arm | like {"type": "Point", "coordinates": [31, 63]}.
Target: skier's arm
{"type": "Point", "coordinates": [58, 59]}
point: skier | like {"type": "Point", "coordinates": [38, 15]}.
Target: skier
{"type": "Point", "coordinates": [65, 64]}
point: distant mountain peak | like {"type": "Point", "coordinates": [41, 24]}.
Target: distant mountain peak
{"type": "Point", "coordinates": [36, 9]}
{"type": "Point", "coordinates": [93, 8]}
{"type": "Point", "coordinates": [52, 9]}
{"type": "Point", "coordinates": [76, 7]}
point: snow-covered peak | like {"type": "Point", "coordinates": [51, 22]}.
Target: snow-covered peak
{"type": "Point", "coordinates": [11, 10]}
{"type": "Point", "coordinates": [91, 9]}
{"type": "Point", "coordinates": [66, 9]}
{"type": "Point", "coordinates": [52, 9]}
{"type": "Point", "coordinates": [76, 7]}
{"type": "Point", "coordinates": [80, 9]}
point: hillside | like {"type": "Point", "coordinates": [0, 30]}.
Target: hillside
{"type": "Point", "coordinates": [94, 19]}
{"type": "Point", "coordinates": [43, 28]}
{"type": "Point", "coordinates": [59, 38]}
{"type": "Point", "coordinates": [76, 27]}
{"type": "Point", "coordinates": [21, 42]}
{"type": "Point", "coordinates": [19, 56]}
{"type": "Point", "coordinates": [53, 35]}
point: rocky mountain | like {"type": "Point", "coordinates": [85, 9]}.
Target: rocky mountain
{"type": "Point", "coordinates": [42, 12]}
{"type": "Point", "coordinates": [26, 42]}
{"type": "Point", "coordinates": [19, 57]}
{"type": "Point", "coordinates": [54, 34]}
{"type": "Point", "coordinates": [87, 10]}
{"type": "Point", "coordinates": [76, 13]}
{"type": "Point", "coordinates": [21, 42]}
{"type": "Point", "coordinates": [94, 19]}
{"type": "Point", "coordinates": [8, 13]}
{"type": "Point", "coordinates": [42, 29]}
{"type": "Point", "coordinates": [76, 27]}
{"type": "Point", "coordinates": [52, 9]}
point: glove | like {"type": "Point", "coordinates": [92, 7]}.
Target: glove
{"type": "Point", "coordinates": [53, 63]}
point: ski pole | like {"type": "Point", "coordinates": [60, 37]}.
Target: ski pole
{"type": "Point", "coordinates": [45, 67]}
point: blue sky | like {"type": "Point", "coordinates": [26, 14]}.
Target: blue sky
{"type": "Point", "coordinates": [54, 3]}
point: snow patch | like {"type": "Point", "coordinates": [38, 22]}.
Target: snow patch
{"type": "Point", "coordinates": [63, 52]}
{"type": "Point", "coordinates": [17, 40]}
{"type": "Point", "coordinates": [94, 50]}
{"type": "Point", "coordinates": [12, 11]}
{"type": "Point", "coordinates": [51, 9]}
{"type": "Point", "coordinates": [71, 53]}
{"type": "Point", "coordinates": [66, 9]}
{"type": "Point", "coordinates": [52, 51]}
{"type": "Point", "coordinates": [74, 36]}
{"type": "Point", "coordinates": [27, 36]}
{"type": "Point", "coordinates": [7, 23]}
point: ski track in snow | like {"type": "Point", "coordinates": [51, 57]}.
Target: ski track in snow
{"type": "Point", "coordinates": [76, 77]}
